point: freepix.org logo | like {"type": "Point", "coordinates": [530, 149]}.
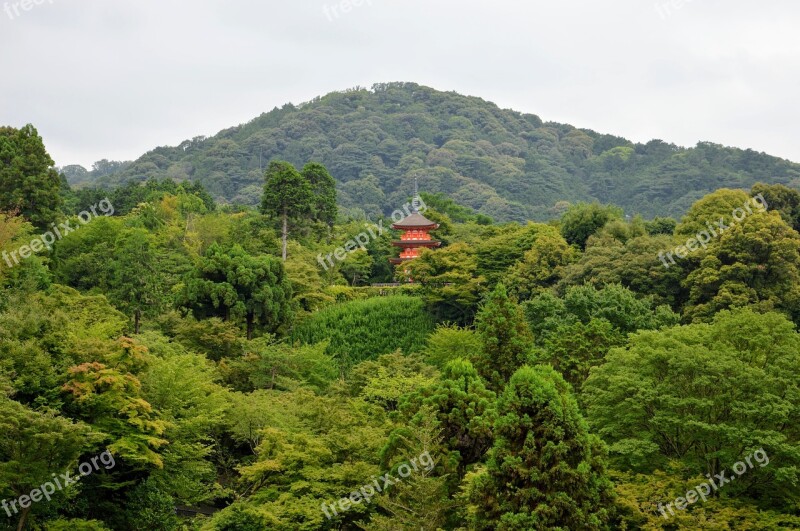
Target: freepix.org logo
{"type": "Point", "coordinates": [12, 9]}
{"type": "Point", "coordinates": [714, 230]}
{"type": "Point", "coordinates": [47, 239]}
{"type": "Point", "coordinates": [59, 482]}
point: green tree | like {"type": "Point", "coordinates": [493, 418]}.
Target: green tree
{"type": "Point", "coordinates": [287, 196]}
{"type": "Point", "coordinates": [575, 348]}
{"type": "Point", "coordinates": [323, 189]}
{"type": "Point", "coordinates": [782, 199]}
{"type": "Point", "coordinates": [34, 445]}
{"type": "Point", "coordinates": [717, 205]}
{"type": "Point", "coordinates": [659, 225]}
{"type": "Point", "coordinates": [634, 264]}
{"type": "Point", "coordinates": [545, 470]}
{"type": "Point", "coordinates": [506, 338]}
{"type": "Point", "coordinates": [110, 400]}
{"type": "Point", "coordinates": [183, 388]}
{"type": "Point", "coordinates": [705, 395]}
{"type": "Point", "coordinates": [136, 283]}
{"type": "Point", "coordinates": [756, 261]}
{"type": "Point", "coordinates": [450, 284]}
{"type": "Point", "coordinates": [464, 410]}
{"type": "Point", "coordinates": [581, 220]}
{"type": "Point", "coordinates": [28, 182]}
{"type": "Point", "coordinates": [356, 266]}
{"type": "Point", "coordinates": [542, 266]}
{"type": "Point", "coordinates": [232, 284]}
{"type": "Point", "coordinates": [420, 501]}
{"type": "Point", "coordinates": [449, 342]}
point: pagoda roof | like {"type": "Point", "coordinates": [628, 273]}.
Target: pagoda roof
{"type": "Point", "coordinates": [416, 243]}
{"type": "Point", "coordinates": [415, 220]}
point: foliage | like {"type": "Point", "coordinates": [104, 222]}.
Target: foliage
{"type": "Point", "coordinates": [706, 395]}
{"type": "Point", "coordinates": [233, 284]}
{"type": "Point", "coordinates": [364, 329]}
{"type": "Point", "coordinates": [709, 209]}
{"type": "Point", "coordinates": [28, 182]}
{"type": "Point", "coordinates": [541, 267]}
{"type": "Point", "coordinates": [450, 284]}
{"type": "Point", "coordinates": [498, 162]}
{"type": "Point", "coordinates": [753, 262]}
{"type": "Point", "coordinates": [506, 338]}
{"type": "Point", "coordinates": [278, 366]}
{"type": "Point", "coordinates": [323, 189]}
{"type": "Point", "coordinates": [287, 196]}
{"type": "Point", "coordinates": [545, 471]}
{"type": "Point", "coordinates": [449, 342]}
{"type": "Point", "coordinates": [464, 411]}
{"type": "Point", "coordinates": [584, 219]}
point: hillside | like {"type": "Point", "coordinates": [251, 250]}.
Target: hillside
{"type": "Point", "coordinates": [502, 163]}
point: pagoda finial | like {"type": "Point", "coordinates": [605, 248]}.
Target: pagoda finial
{"type": "Point", "coordinates": [415, 200]}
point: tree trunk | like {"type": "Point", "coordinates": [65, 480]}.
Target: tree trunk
{"type": "Point", "coordinates": [23, 518]}
{"type": "Point", "coordinates": [250, 321]}
{"type": "Point", "coordinates": [137, 318]}
{"type": "Point", "coordinates": [285, 232]}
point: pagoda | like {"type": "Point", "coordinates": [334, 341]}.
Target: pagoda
{"type": "Point", "coordinates": [415, 235]}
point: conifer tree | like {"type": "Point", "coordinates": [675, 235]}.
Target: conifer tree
{"type": "Point", "coordinates": [506, 338]}
{"type": "Point", "coordinates": [28, 182]}
{"type": "Point", "coordinates": [545, 470]}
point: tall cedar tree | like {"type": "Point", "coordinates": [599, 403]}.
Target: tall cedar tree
{"type": "Point", "coordinates": [28, 182]}
{"type": "Point", "coordinates": [507, 340]}
{"type": "Point", "coordinates": [233, 284]}
{"type": "Point", "coordinates": [545, 470]}
{"type": "Point", "coordinates": [287, 195]}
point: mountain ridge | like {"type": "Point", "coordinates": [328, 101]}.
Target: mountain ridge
{"type": "Point", "coordinates": [500, 162]}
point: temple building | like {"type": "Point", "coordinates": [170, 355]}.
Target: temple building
{"type": "Point", "coordinates": [415, 236]}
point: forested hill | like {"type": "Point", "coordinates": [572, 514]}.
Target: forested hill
{"type": "Point", "coordinates": [503, 163]}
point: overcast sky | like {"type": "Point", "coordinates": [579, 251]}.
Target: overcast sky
{"type": "Point", "coordinates": [116, 78]}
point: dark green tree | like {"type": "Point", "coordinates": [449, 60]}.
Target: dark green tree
{"type": "Point", "coordinates": [506, 338]}
{"type": "Point", "coordinates": [545, 470]}
{"type": "Point", "coordinates": [464, 408]}
{"type": "Point", "coordinates": [28, 182]}
{"type": "Point", "coordinates": [781, 198]}
{"type": "Point", "coordinates": [323, 188]}
{"type": "Point", "coordinates": [287, 197]}
{"type": "Point", "coordinates": [233, 284]}
{"type": "Point", "coordinates": [136, 283]}
{"type": "Point", "coordinates": [582, 220]}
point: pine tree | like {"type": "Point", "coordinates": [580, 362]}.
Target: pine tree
{"type": "Point", "coordinates": [545, 471]}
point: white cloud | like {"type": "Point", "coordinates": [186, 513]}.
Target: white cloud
{"type": "Point", "coordinates": [112, 80]}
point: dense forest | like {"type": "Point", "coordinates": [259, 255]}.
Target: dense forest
{"type": "Point", "coordinates": [501, 163]}
{"type": "Point", "coordinates": [194, 365]}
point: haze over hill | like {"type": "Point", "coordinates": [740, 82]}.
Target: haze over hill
{"type": "Point", "coordinates": [500, 162]}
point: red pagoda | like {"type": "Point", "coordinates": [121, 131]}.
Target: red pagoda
{"type": "Point", "coordinates": [415, 236]}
